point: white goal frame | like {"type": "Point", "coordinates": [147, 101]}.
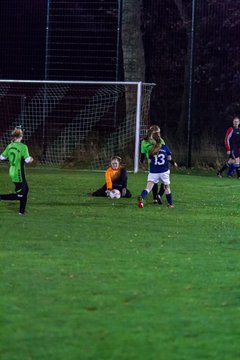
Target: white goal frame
{"type": "Point", "coordinates": [138, 84]}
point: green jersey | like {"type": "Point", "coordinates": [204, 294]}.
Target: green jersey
{"type": "Point", "coordinates": [146, 146]}
{"type": "Point", "coordinates": [16, 153]}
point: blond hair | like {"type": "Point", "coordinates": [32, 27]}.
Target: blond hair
{"type": "Point", "coordinates": [152, 130]}
{"type": "Point", "coordinates": [16, 133]}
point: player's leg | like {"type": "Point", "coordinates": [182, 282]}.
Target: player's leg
{"type": "Point", "coordinates": [237, 164]}
{"type": "Point", "coordinates": [168, 196]}
{"type": "Point", "coordinates": [128, 194]}
{"type": "Point", "coordinates": [99, 192]}
{"type": "Point", "coordinates": [238, 172]}
{"type": "Point", "coordinates": [11, 196]}
{"type": "Point", "coordinates": [155, 193]}
{"type": "Point", "coordinates": [165, 178]}
{"type": "Point", "coordinates": [231, 165]}
{"type": "Point", "coordinates": [228, 165]}
{"type": "Point", "coordinates": [231, 169]}
{"type": "Point", "coordinates": [151, 180]}
{"type": "Point", "coordinates": [125, 193]}
{"type": "Point", "coordinates": [22, 192]}
{"type": "Point", "coordinates": [223, 168]}
{"type": "Point", "coordinates": [161, 191]}
{"type": "Point", "coordinates": [145, 193]}
{"type": "Point", "coordinates": [160, 194]}
{"type": "Point", "coordinates": [121, 184]}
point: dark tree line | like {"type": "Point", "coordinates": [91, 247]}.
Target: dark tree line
{"type": "Point", "coordinates": [166, 32]}
{"type": "Point", "coordinates": [155, 47]}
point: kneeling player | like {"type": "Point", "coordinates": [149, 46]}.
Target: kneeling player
{"type": "Point", "coordinates": [116, 178]}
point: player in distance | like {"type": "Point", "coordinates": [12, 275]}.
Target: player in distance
{"type": "Point", "coordinates": [17, 154]}
{"type": "Point", "coordinates": [159, 157]}
{"type": "Point", "coordinates": [232, 144]}
{"type": "Point", "coordinates": [116, 178]}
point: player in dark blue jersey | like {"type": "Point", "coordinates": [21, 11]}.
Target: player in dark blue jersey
{"type": "Point", "coordinates": [146, 145]}
{"type": "Point", "coordinates": [159, 157]}
{"type": "Point", "coordinates": [235, 148]}
{"type": "Point", "coordinates": [232, 144]}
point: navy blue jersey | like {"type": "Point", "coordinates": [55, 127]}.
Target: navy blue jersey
{"type": "Point", "coordinates": [159, 163]}
{"type": "Point", "coordinates": [235, 138]}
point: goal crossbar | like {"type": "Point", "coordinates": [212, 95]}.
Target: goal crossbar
{"type": "Point", "coordinates": [76, 82]}
{"type": "Point", "coordinates": [79, 122]}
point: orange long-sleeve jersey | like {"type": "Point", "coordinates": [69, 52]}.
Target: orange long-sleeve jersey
{"type": "Point", "coordinates": [112, 175]}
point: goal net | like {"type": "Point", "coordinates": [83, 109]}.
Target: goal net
{"type": "Point", "coordinates": [78, 124]}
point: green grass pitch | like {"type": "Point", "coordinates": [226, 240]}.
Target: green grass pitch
{"type": "Point", "coordinates": [91, 278]}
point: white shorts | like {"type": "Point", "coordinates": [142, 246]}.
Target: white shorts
{"type": "Point", "coordinates": [164, 177]}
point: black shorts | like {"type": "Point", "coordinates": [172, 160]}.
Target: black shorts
{"type": "Point", "coordinates": [235, 152]}
{"type": "Point", "coordinates": [21, 188]}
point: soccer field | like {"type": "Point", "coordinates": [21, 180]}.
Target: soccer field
{"type": "Point", "coordinates": [94, 278]}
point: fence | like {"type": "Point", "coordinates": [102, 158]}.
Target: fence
{"type": "Point", "coordinates": [190, 49]}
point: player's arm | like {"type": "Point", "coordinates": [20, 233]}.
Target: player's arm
{"type": "Point", "coordinates": [108, 178]}
{"type": "Point", "coordinates": [28, 160]}
{"type": "Point", "coordinates": [227, 140]}
{"type": "Point", "coordinates": [172, 162]}
{"type": "Point", "coordinates": [169, 158]}
{"type": "Point", "coordinates": [3, 157]}
{"type": "Point", "coordinates": [143, 155]}
{"type": "Point", "coordinates": [142, 158]}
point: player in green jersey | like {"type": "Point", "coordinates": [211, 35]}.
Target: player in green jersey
{"type": "Point", "coordinates": [17, 154]}
{"type": "Point", "coordinates": [146, 145]}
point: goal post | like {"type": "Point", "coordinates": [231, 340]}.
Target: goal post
{"type": "Point", "coordinates": [138, 127]}
{"type": "Point", "coordinates": [77, 123]}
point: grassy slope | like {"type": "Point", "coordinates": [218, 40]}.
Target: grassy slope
{"type": "Point", "coordinates": [87, 278]}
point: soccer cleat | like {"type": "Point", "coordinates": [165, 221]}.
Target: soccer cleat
{"type": "Point", "coordinates": [21, 214]}
{"type": "Point", "coordinates": [157, 200]}
{"type": "Point", "coordinates": [219, 174]}
{"type": "Point", "coordinates": [140, 202]}
{"type": "Point", "coordinates": [170, 206]}
{"type": "Point", "coordinates": [90, 194]}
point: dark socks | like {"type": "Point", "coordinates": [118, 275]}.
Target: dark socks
{"type": "Point", "coordinates": [169, 198]}
{"type": "Point", "coordinates": [161, 191]}
{"type": "Point", "coordinates": [155, 191]}
{"type": "Point", "coordinates": [144, 194]}
{"type": "Point", "coordinates": [225, 166]}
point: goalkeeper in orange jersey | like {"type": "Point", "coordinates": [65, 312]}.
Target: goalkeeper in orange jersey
{"type": "Point", "coordinates": [116, 178]}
